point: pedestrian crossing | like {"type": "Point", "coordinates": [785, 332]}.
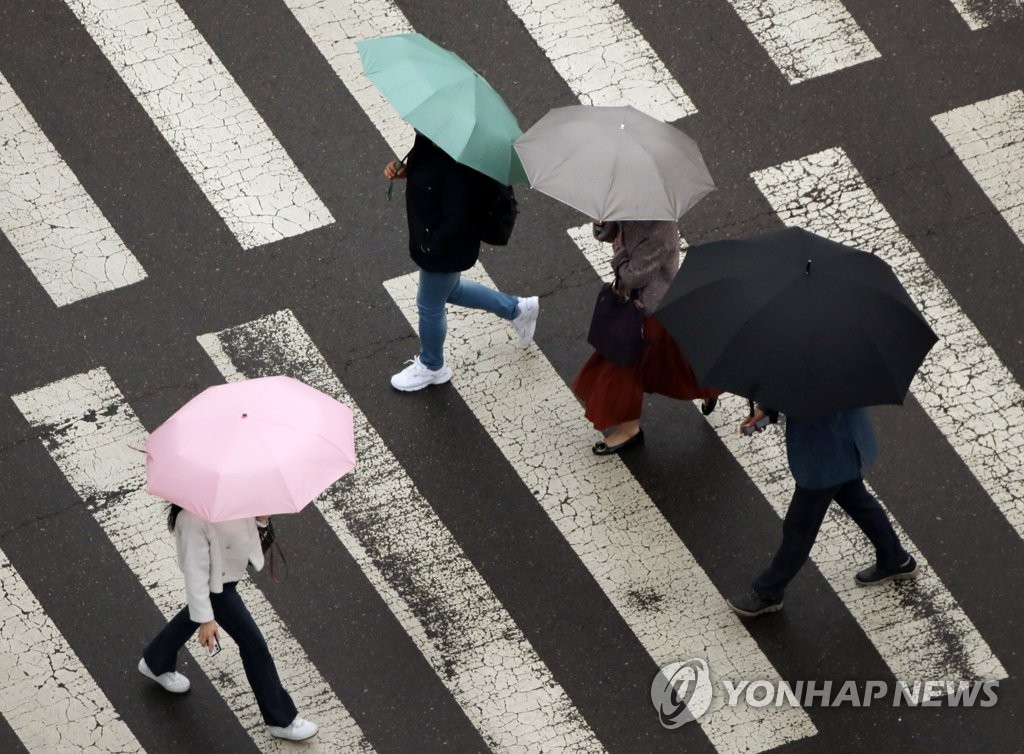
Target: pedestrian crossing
{"type": "Point", "coordinates": [639, 562]}
{"type": "Point", "coordinates": [205, 117]}
{"type": "Point", "coordinates": [968, 392]}
{"type": "Point", "coordinates": [806, 38]}
{"type": "Point", "coordinates": [49, 217]}
{"type": "Point", "coordinates": [92, 434]}
{"type": "Point", "coordinates": [490, 659]}
{"type": "Point", "coordinates": [928, 636]}
{"type": "Point", "coordinates": [987, 137]}
{"type": "Point", "coordinates": [49, 677]}
{"type": "Point", "coordinates": [416, 565]}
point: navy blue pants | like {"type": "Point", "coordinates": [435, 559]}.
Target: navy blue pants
{"type": "Point", "coordinates": [803, 520]}
{"type": "Point", "coordinates": [231, 614]}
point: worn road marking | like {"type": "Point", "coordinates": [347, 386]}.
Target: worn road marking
{"type": "Point", "coordinates": [981, 13]}
{"type": "Point", "coordinates": [49, 699]}
{"type": "Point", "coordinates": [988, 137]}
{"type": "Point", "coordinates": [602, 57]}
{"type": "Point", "coordinates": [219, 137]}
{"type": "Point", "coordinates": [967, 391]}
{"type": "Point", "coordinates": [605, 515]}
{"type": "Point", "coordinates": [88, 427]}
{"type": "Point", "coordinates": [416, 565]}
{"type": "Point", "coordinates": [806, 38]}
{"type": "Point", "coordinates": [918, 628]}
{"type": "Point", "coordinates": [335, 27]}
{"type": "Point", "coordinates": [50, 219]}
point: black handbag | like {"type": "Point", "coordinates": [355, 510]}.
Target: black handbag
{"type": "Point", "coordinates": [269, 543]}
{"type": "Point", "coordinates": [617, 327]}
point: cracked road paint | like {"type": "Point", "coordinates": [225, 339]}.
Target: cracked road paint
{"type": "Point", "coordinates": [49, 699]}
{"type": "Point", "coordinates": [607, 518]}
{"type": "Point", "coordinates": [988, 137]}
{"type": "Point", "coordinates": [50, 219]}
{"type": "Point", "coordinates": [416, 565]}
{"type": "Point", "coordinates": [335, 27]}
{"type": "Point", "coordinates": [205, 117]}
{"type": "Point", "coordinates": [806, 38]}
{"type": "Point", "coordinates": [917, 627]}
{"type": "Point", "coordinates": [88, 428]}
{"type": "Point", "coordinates": [967, 391]}
{"type": "Point", "coordinates": [602, 57]}
{"type": "Point", "coordinates": [981, 13]}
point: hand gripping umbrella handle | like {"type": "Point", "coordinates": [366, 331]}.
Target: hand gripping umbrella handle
{"type": "Point", "coordinates": [398, 166]}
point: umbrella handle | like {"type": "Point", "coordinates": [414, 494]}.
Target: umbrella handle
{"type": "Point", "coordinates": [399, 164]}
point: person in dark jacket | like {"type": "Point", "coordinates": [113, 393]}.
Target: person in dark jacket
{"type": "Point", "coordinates": [826, 456]}
{"type": "Point", "coordinates": [445, 202]}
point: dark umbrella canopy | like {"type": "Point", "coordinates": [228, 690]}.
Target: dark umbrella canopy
{"type": "Point", "coordinates": [797, 322]}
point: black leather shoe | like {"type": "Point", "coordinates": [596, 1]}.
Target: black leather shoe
{"type": "Point", "coordinates": [875, 575]}
{"type": "Point", "coordinates": [708, 405]}
{"type": "Point", "coordinates": [752, 604]}
{"type": "Point", "coordinates": [604, 449]}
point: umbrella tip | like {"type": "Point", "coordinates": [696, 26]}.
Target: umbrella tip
{"type": "Point", "coordinates": [807, 270]}
{"type": "Point", "coordinates": [245, 416]}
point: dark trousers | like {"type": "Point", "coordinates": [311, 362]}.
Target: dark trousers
{"type": "Point", "coordinates": [231, 614]}
{"type": "Point", "coordinates": [803, 520]}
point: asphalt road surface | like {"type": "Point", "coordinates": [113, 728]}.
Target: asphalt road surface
{"type": "Point", "coordinates": [192, 192]}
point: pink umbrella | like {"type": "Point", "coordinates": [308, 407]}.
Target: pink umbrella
{"type": "Point", "coordinates": [251, 448]}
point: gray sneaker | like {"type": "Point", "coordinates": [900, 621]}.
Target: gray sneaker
{"type": "Point", "coordinates": [751, 604]}
{"type": "Point", "coordinates": [525, 320]}
{"type": "Point", "coordinates": [416, 376]}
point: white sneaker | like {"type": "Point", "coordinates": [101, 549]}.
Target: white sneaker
{"type": "Point", "coordinates": [416, 376]}
{"type": "Point", "coordinates": [174, 682]}
{"type": "Point", "coordinates": [299, 730]}
{"type": "Point", "coordinates": [525, 321]}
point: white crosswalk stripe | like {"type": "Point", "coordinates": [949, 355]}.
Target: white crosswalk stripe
{"type": "Point", "coordinates": [923, 636]}
{"type": "Point", "coordinates": [988, 137]}
{"type": "Point", "coordinates": [417, 566]}
{"type": "Point", "coordinates": [604, 514]}
{"type": "Point", "coordinates": [967, 391]}
{"type": "Point", "coordinates": [90, 431]}
{"type": "Point", "coordinates": [205, 117]}
{"type": "Point", "coordinates": [439, 598]}
{"type": "Point", "coordinates": [335, 28]}
{"type": "Point", "coordinates": [978, 15]}
{"type": "Point", "coordinates": [806, 38]}
{"type": "Point", "coordinates": [48, 697]}
{"type": "Point", "coordinates": [602, 57]}
{"type": "Point", "coordinates": [50, 219]}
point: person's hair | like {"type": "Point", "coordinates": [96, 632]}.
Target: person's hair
{"type": "Point", "coordinates": [172, 515]}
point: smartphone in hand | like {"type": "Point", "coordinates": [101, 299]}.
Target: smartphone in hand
{"type": "Point", "coordinates": [215, 649]}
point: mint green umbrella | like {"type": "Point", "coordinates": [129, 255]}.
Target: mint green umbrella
{"type": "Point", "coordinates": [439, 95]}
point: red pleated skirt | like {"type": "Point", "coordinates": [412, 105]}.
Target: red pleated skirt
{"type": "Point", "coordinates": [612, 394]}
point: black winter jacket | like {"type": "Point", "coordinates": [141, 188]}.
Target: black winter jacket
{"type": "Point", "coordinates": [444, 203]}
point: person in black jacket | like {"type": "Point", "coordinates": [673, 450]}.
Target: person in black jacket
{"type": "Point", "coordinates": [445, 202]}
{"type": "Point", "coordinates": [826, 457]}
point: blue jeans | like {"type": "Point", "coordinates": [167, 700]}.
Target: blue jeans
{"type": "Point", "coordinates": [440, 288]}
{"type": "Point", "coordinates": [803, 520]}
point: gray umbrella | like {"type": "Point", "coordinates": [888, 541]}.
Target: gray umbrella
{"type": "Point", "coordinates": [614, 163]}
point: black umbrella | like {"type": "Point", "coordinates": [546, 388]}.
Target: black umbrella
{"type": "Point", "coordinates": [796, 322]}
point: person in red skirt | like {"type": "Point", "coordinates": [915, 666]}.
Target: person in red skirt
{"type": "Point", "coordinates": [645, 258]}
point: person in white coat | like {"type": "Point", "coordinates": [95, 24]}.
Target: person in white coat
{"type": "Point", "coordinates": [213, 558]}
